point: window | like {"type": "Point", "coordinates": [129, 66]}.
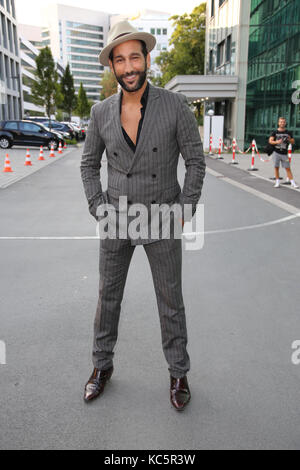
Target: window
{"type": "Point", "coordinates": [221, 2]}
{"type": "Point", "coordinates": [158, 31]}
{"type": "Point", "coordinates": [84, 50]}
{"type": "Point", "coordinates": [4, 34]}
{"type": "Point", "coordinates": [165, 31]}
{"type": "Point", "coordinates": [87, 74]}
{"type": "Point", "coordinates": [86, 67]}
{"type": "Point", "coordinates": [81, 42]}
{"type": "Point", "coordinates": [13, 126]}
{"type": "Point", "coordinates": [8, 6]}
{"type": "Point", "coordinates": [86, 82]}
{"type": "Point", "coordinates": [89, 27]}
{"type": "Point", "coordinates": [83, 58]}
{"type": "Point", "coordinates": [29, 127]}
{"type": "Point", "coordinates": [228, 48]}
{"type": "Point", "coordinates": [152, 30]}
{"type": "Point", "coordinates": [81, 34]}
{"type": "Point", "coordinates": [212, 8]}
{"type": "Point", "coordinates": [220, 54]}
{"type": "Point", "coordinates": [211, 58]}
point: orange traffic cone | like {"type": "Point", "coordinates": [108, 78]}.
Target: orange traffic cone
{"type": "Point", "coordinates": [41, 157]}
{"type": "Point", "coordinates": [28, 159]}
{"type": "Point", "coordinates": [52, 152]}
{"type": "Point", "coordinates": [65, 146]}
{"type": "Point", "coordinates": [7, 167]}
{"type": "Point", "coordinates": [60, 148]}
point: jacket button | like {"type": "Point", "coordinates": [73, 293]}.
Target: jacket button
{"type": "Point", "coordinates": [129, 175]}
{"type": "Point", "coordinates": [153, 176]}
{"type": "Point", "coordinates": [155, 149]}
{"type": "Point", "coordinates": [115, 154]}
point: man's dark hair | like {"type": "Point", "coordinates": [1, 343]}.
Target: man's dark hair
{"type": "Point", "coordinates": [144, 51]}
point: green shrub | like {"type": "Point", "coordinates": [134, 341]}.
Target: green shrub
{"type": "Point", "coordinates": [71, 142]}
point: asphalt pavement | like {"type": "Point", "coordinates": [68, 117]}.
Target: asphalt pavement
{"type": "Point", "coordinates": [241, 295]}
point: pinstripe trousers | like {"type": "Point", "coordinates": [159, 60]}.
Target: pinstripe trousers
{"type": "Point", "coordinates": [165, 259]}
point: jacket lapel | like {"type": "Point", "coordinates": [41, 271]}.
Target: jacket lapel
{"type": "Point", "coordinates": [149, 121]}
{"type": "Point", "coordinates": [117, 127]}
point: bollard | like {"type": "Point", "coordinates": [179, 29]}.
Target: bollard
{"type": "Point", "coordinates": [210, 145]}
{"type": "Point", "coordinates": [253, 157]}
{"type": "Point", "coordinates": [290, 153]}
{"type": "Point", "coordinates": [220, 149]}
{"type": "Point", "coordinates": [234, 162]}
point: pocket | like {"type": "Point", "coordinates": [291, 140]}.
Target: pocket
{"type": "Point", "coordinates": [113, 192]}
{"type": "Point", "coordinates": [171, 194]}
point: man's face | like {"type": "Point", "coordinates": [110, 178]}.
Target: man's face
{"type": "Point", "coordinates": [282, 123]}
{"type": "Point", "coordinates": [129, 65]}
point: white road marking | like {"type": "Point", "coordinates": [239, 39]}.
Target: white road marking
{"type": "Point", "coordinates": [282, 205]}
{"type": "Point", "coordinates": [246, 227]}
{"type": "Point", "coordinates": [189, 234]}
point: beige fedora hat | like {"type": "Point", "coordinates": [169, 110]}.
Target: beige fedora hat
{"type": "Point", "coordinates": [122, 32]}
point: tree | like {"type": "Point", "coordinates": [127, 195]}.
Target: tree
{"type": "Point", "coordinates": [46, 89]}
{"type": "Point", "coordinates": [109, 85]}
{"type": "Point", "coordinates": [83, 105]}
{"type": "Point", "coordinates": [188, 52]}
{"type": "Point", "coordinates": [69, 101]}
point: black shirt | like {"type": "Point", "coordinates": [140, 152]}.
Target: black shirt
{"type": "Point", "coordinates": [282, 148]}
{"type": "Point", "coordinates": [144, 101]}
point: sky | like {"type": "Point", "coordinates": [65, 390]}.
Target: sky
{"type": "Point", "coordinates": [28, 11]}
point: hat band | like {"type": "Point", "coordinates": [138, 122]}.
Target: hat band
{"type": "Point", "coordinates": [120, 35]}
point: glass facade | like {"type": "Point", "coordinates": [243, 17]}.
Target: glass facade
{"type": "Point", "coordinates": [81, 34]}
{"type": "Point", "coordinates": [85, 66]}
{"type": "Point", "coordinates": [273, 68]}
{"type": "Point", "coordinates": [82, 43]}
{"type": "Point", "coordinates": [88, 27]}
{"type": "Point", "coordinates": [83, 50]}
{"type": "Point", "coordinates": [10, 83]}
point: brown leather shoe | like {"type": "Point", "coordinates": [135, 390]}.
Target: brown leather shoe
{"type": "Point", "coordinates": [179, 392]}
{"type": "Point", "coordinates": [96, 383]}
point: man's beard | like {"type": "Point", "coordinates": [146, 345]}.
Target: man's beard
{"type": "Point", "coordinates": [142, 78]}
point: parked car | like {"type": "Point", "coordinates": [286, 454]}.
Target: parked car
{"type": "Point", "coordinates": [27, 133]}
{"type": "Point", "coordinates": [64, 129]}
{"type": "Point", "coordinates": [78, 131]}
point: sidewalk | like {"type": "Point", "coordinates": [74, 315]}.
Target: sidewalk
{"type": "Point", "coordinates": [265, 169]}
{"type": "Point", "coordinates": [17, 159]}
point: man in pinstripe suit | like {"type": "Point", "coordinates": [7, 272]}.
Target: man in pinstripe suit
{"type": "Point", "coordinates": [143, 130]}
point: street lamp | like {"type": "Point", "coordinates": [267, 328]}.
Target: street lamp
{"type": "Point", "coordinates": [210, 113]}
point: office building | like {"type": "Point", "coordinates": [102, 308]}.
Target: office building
{"type": "Point", "coordinates": [76, 36]}
{"type": "Point", "coordinates": [10, 76]}
{"type": "Point", "coordinates": [28, 54]}
{"type": "Point", "coordinates": [273, 68]}
{"type": "Point", "coordinates": [226, 53]}
{"type": "Point", "coordinates": [258, 42]}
